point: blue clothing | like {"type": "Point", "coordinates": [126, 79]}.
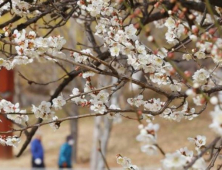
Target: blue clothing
{"type": "Point", "coordinates": [65, 155]}
{"type": "Point", "coordinates": [37, 150]}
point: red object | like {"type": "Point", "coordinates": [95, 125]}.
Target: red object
{"type": "Point", "coordinates": [6, 91]}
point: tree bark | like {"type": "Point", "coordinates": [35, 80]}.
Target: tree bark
{"type": "Point", "coordinates": [74, 130]}
{"type": "Point", "coordinates": [104, 142]}
{"type": "Point", "coordinates": [96, 135]}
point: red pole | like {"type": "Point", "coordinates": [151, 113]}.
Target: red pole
{"type": "Point", "coordinates": [6, 91]}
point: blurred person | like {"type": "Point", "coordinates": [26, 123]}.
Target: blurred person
{"type": "Point", "coordinates": [37, 152]}
{"type": "Point", "coordinates": [65, 154]}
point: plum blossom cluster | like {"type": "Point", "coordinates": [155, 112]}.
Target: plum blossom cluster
{"type": "Point", "coordinates": [199, 141]}
{"type": "Point", "coordinates": [177, 26]}
{"type": "Point", "coordinates": [208, 46]}
{"type": "Point", "coordinates": [81, 58]}
{"type": "Point", "coordinates": [96, 7]}
{"type": "Point", "coordinates": [45, 110]}
{"type": "Point", "coordinates": [20, 8]}
{"type": "Point", "coordinates": [11, 109]}
{"type": "Point", "coordinates": [175, 30]}
{"type": "Point", "coordinates": [155, 105]}
{"type": "Point", "coordinates": [97, 100]}
{"type": "Point", "coordinates": [125, 163]}
{"type": "Point", "coordinates": [148, 136]}
{"type": "Point", "coordinates": [199, 17]}
{"type": "Point", "coordinates": [78, 100]}
{"type": "Point", "coordinates": [29, 46]}
{"type": "Point", "coordinates": [177, 115]}
{"type": "Point", "coordinates": [123, 41]}
{"type": "Point", "coordinates": [201, 81]}
{"type": "Point", "coordinates": [201, 77]}
{"type": "Point", "coordinates": [10, 140]}
{"type": "Point", "coordinates": [182, 16]}
{"type": "Point", "coordinates": [182, 157]}
{"type": "Point", "coordinates": [152, 105]}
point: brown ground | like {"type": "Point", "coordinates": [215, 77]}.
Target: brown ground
{"type": "Point", "coordinates": [171, 136]}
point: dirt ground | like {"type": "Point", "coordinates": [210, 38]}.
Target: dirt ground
{"type": "Point", "coordinates": [171, 136]}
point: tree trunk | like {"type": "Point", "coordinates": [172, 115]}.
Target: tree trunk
{"type": "Point", "coordinates": [74, 130]}
{"type": "Point", "coordinates": [96, 136]}
{"type": "Point", "coordinates": [104, 142]}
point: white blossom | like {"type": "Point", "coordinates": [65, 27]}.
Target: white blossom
{"type": "Point", "coordinates": [200, 55]}
{"type": "Point", "coordinates": [201, 76]}
{"type": "Point", "coordinates": [137, 101]}
{"type": "Point", "coordinates": [79, 99]}
{"type": "Point", "coordinates": [216, 124]}
{"type": "Point", "coordinates": [58, 102]}
{"type": "Point", "coordinates": [199, 141]}
{"type": "Point", "coordinates": [170, 23]}
{"type": "Point", "coordinates": [187, 57]}
{"type": "Point", "coordinates": [88, 74]}
{"type": "Point", "coordinates": [55, 125]}
{"type": "Point", "coordinates": [12, 141]}
{"type": "Point", "coordinates": [124, 161]}
{"type": "Point", "coordinates": [214, 100]}
{"type": "Point", "coordinates": [115, 50]}
{"type": "Point", "coordinates": [148, 134]}
{"type": "Point", "coordinates": [98, 107]}
{"type": "Point", "coordinates": [174, 161]}
{"type": "Point", "coordinates": [43, 110]}
{"type": "Point", "coordinates": [131, 31]}
{"type": "Point", "coordinates": [149, 149]}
